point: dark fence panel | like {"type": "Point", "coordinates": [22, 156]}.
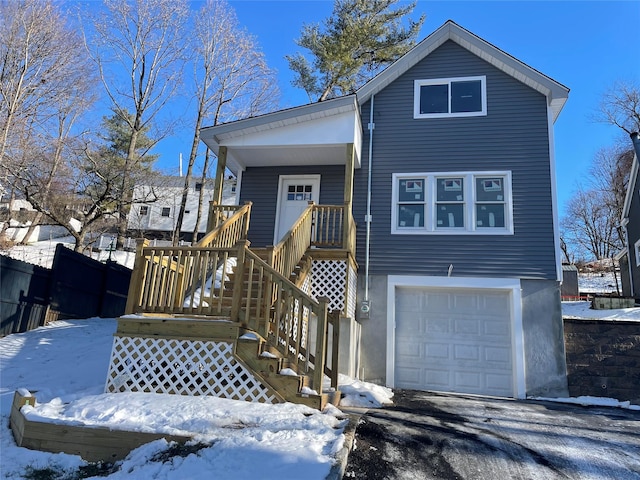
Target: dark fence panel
{"type": "Point", "coordinates": [75, 287]}
{"type": "Point", "coordinates": [24, 295]}
{"type": "Point", "coordinates": [82, 287]}
{"type": "Point", "coordinates": [115, 289]}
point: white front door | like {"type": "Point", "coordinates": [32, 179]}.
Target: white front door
{"type": "Point", "coordinates": [294, 194]}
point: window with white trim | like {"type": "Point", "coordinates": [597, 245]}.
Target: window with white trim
{"type": "Point", "coordinates": [166, 211]}
{"type": "Point", "coordinates": [637, 250]}
{"type": "Point", "coordinates": [450, 97]}
{"type": "Point", "coordinates": [452, 203]}
{"type": "Point", "coordinates": [144, 210]}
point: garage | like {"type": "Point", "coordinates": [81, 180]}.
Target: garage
{"type": "Point", "coordinates": [454, 340]}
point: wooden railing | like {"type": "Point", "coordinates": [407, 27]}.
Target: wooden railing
{"type": "Point", "coordinates": [234, 227]}
{"type": "Point", "coordinates": [220, 276]}
{"type": "Point", "coordinates": [218, 214]}
{"type": "Point", "coordinates": [290, 250]}
{"type": "Point", "coordinates": [321, 226]}
{"type": "Point", "coordinates": [205, 281]}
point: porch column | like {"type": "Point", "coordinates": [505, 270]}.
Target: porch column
{"type": "Point", "coordinates": [347, 241]}
{"type": "Point", "coordinates": [220, 168]}
{"type": "Point", "coordinates": [348, 176]}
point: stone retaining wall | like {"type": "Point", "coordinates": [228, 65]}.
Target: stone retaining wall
{"type": "Point", "coordinates": [603, 358]}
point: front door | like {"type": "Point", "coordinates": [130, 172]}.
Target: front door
{"type": "Point", "coordinates": [294, 194]}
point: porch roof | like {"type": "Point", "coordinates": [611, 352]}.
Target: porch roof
{"type": "Point", "coordinates": [310, 134]}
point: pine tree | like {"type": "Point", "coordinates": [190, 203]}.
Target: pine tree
{"type": "Point", "coordinates": [358, 40]}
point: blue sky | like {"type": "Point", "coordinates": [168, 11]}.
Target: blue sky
{"type": "Point", "coordinates": [585, 45]}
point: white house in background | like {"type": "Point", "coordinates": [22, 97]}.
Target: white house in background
{"type": "Point", "coordinates": [157, 214]}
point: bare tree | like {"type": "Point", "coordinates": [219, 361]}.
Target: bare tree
{"type": "Point", "coordinates": [620, 106]}
{"type": "Point", "coordinates": [46, 84]}
{"type": "Point", "coordinates": [144, 39]}
{"type": "Point", "coordinates": [232, 81]}
{"type": "Point", "coordinates": [590, 225]}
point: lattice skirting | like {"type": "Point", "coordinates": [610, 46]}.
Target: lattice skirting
{"type": "Point", "coordinates": [330, 279]}
{"type": "Point", "coordinates": [183, 367]}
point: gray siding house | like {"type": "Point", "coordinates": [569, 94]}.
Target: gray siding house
{"type": "Point", "coordinates": [630, 221]}
{"type": "Point", "coordinates": [446, 160]}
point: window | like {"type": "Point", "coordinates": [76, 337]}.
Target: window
{"type": "Point", "coordinates": [452, 203]}
{"type": "Point", "coordinates": [144, 210]}
{"type": "Point", "coordinates": [198, 186]}
{"type": "Point", "coordinates": [300, 192]}
{"type": "Point", "coordinates": [450, 97]}
{"type": "Point", "coordinates": [637, 251]}
{"type": "Point", "coordinates": [166, 211]}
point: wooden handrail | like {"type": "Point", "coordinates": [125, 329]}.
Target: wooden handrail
{"type": "Point", "coordinates": [197, 280]}
{"type": "Point", "coordinates": [233, 229]}
{"type": "Point", "coordinates": [219, 213]}
{"type": "Point", "coordinates": [290, 250]}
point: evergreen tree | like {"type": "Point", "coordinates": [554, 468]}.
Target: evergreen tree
{"type": "Point", "coordinates": [358, 40]}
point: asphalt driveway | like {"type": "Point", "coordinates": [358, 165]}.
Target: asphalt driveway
{"type": "Point", "coordinates": [436, 436]}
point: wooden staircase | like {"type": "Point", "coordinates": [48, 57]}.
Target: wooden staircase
{"type": "Point", "coordinates": [263, 294]}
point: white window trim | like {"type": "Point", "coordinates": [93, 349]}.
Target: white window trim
{"type": "Point", "coordinates": [442, 81]}
{"type": "Point", "coordinates": [637, 252]}
{"type": "Point", "coordinates": [470, 211]}
{"type": "Point", "coordinates": [504, 284]}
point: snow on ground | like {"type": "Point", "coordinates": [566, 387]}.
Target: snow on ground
{"type": "Point", "coordinates": [42, 253]}
{"type": "Point", "coordinates": [66, 363]}
{"type": "Point", "coordinates": [598, 282]}
{"type": "Point", "coordinates": [583, 310]}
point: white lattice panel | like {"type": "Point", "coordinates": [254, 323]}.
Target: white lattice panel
{"type": "Point", "coordinates": [329, 280]}
{"type": "Point", "coordinates": [352, 292]}
{"type": "Point", "coordinates": [182, 367]}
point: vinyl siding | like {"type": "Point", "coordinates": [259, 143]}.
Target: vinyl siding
{"type": "Point", "coordinates": [512, 137]}
{"type": "Point", "coordinates": [633, 233]}
{"type": "Point", "coordinates": [260, 186]}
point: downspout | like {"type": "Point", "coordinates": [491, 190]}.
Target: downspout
{"type": "Point", "coordinates": [367, 219]}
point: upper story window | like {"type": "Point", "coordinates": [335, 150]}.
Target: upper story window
{"type": "Point", "coordinates": [452, 203]}
{"type": "Point", "coordinates": [450, 97]}
{"type": "Point", "coordinates": [198, 186]}
{"type": "Point", "coordinates": [144, 210]}
{"type": "Point", "coordinates": [166, 211]}
{"type": "Point", "coordinates": [637, 252]}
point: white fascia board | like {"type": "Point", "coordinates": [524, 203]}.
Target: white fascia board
{"type": "Point", "coordinates": [633, 180]}
{"type": "Point", "coordinates": [324, 130]}
{"type": "Point", "coordinates": [219, 134]}
{"type": "Point", "coordinates": [554, 196]}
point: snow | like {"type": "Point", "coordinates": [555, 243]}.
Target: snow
{"type": "Point", "coordinates": [42, 253]}
{"type": "Point", "coordinates": [591, 402]}
{"type": "Point", "coordinates": [598, 283]}
{"type": "Point", "coordinates": [65, 364]}
{"type": "Point", "coordinates": [583, 310]}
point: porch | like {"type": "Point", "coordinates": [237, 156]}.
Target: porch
{"type": "Point", "coordinates": [222, 318]}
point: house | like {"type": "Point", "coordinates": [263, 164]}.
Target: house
{"type": "Point", "coordinates": [155, 212]}
{"type": "Point", "coordinates": [630, 257]}
{"type": "Point", "coordinates": [445, 161]}
{"type": "Point", "coordinates": [406, 234]}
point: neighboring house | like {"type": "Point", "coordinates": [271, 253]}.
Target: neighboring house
{"type": "Point", "coordinates": [155, 215]}
{"type": "Point", "coordinates": [446, 159]}
{"type": "Point", "coordinates": [630, 257]}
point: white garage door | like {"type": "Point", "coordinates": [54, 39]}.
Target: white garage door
{"type": "Point", "coordinates": [454, 340]}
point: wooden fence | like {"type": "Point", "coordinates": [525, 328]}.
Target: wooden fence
{"type": "Point", "coordinates": [75, 287]}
